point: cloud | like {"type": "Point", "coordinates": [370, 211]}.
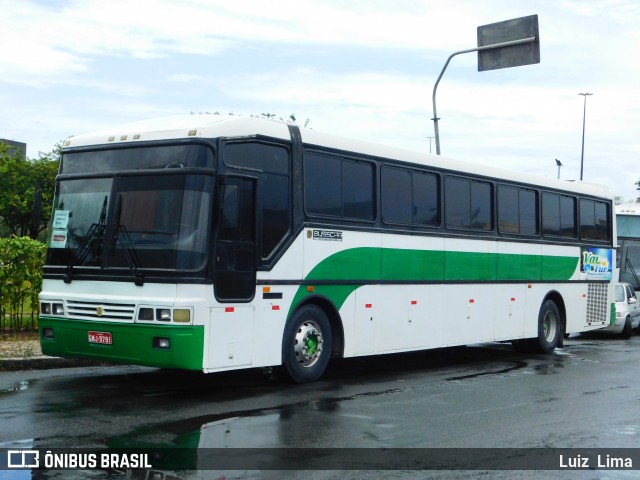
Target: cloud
{"type": "Point", "coordinates": [358, 68]}
{"type": "Point", "coordinates": [46, 41]}
{"type": "Point", "coordinates": [186, 78]}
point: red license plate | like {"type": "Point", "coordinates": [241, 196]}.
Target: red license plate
{"type": "Point", "coordinates": [103, 338]}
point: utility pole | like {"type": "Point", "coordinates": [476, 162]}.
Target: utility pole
{"type": "Point", "coordinates": [584, 116]}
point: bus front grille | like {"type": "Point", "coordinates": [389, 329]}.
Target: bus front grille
{"type": "Point", "coordinates": [100, 311]}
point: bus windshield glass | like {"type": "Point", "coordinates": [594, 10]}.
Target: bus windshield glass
{"type": "Point", "coordinates": [137, 158]}
{"type": "Point", "coordinates": [147, 221]}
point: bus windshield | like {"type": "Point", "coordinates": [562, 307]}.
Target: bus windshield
{"type": "Point", "coordinates": [146, 221]}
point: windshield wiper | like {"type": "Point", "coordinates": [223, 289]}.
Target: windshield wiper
{"type": "Point", "coordinates": [631, 269]}
{"type": "Point", "coordinates": [122, 235]}
{"type": "Point", "coordinates": [91, 243]}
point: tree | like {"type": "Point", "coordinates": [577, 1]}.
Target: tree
{"type": "Point", "coordinates": [26, 191]}
{"type": "Point", "coordinates": [637, 184]}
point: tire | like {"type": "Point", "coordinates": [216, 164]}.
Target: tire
{"type": "Point", "coordinates": [306, 344]}
{"type": "Point", "coordinates": [626, 331]}
{"type": "Point", "coordinates": [549, 328]}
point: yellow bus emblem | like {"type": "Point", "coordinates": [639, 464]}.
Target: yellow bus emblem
{"type": "Point", "coordinates": [99, 311]}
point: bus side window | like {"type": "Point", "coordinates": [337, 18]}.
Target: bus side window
{"type": "Point", "coordinates": [229, 217]}
{"type": "Point", "coordinates": [271, 164]}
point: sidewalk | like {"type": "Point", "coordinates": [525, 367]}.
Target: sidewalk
{"type": "Point", "coordinates": [22, 352]}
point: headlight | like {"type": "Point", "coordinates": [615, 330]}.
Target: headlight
{"type": "Point", "coordinates": [52, 308]}
{"type": "Point", "coordinates": [145, 314]}
{"type": "Point", "coordinates": [181, 315]}
{"type": "Point", "coordinates": [166, 314]}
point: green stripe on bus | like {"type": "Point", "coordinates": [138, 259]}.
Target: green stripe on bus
{"type": "Point", "coordinates": [369, 264]}
{"type": "Point", "coordinates": [132, 343]}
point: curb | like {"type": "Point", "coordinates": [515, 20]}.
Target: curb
{"type": "Point", "coordinates": [44, 362]}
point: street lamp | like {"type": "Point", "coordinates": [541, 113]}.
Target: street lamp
{"type": "Point", "coordinates": [584, 115]}
{"type": "Point", "coordinates": [559, 164]}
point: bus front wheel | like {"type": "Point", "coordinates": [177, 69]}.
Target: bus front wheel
{"type": "Point", "coordinates": [307, 342]}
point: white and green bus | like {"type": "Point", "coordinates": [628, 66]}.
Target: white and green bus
{"type": "Point", "coordinates": [216, 243]}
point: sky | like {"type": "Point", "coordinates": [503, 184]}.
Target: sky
{"type": "Point", "coordinates": [360, 68]}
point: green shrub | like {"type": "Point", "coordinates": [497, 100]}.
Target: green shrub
{"type": "Point", "coordinates": [21, 262]}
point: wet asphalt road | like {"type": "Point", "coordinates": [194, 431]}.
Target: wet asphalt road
{"type": "Point", "coordinates": [583, 396]}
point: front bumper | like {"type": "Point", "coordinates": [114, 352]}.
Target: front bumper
{"type": "Point", "coordinates": [132, 343]}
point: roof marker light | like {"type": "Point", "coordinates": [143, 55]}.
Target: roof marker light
{"type": "Point", "coordinates": [192, 133]}
{"type": "Point", "coordinates": [111, 139]}
{"type": "Point", "coordinates": [136, 136]}
{"type": "Point", "coordinates": [123, 138]}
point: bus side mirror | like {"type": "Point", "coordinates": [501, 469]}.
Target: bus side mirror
{"type": "Point", "coordinates": [632, 300]}
{"type": "Point", "coordinates": [230, 207]}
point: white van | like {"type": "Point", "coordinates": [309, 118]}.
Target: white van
{"type": "Point", "coordinates": [627, 311]}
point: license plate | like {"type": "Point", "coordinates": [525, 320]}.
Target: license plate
{"type": "Point", "coordinates": [103, 338]}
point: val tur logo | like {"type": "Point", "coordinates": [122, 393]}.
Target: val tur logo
{"type": "Point", "coordinates": [597, 263]}
{"type": "Point", "coordinates": [99, 311]}
{"type": "Point", "coordinates": [23, 458]}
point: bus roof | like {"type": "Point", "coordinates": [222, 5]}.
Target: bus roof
{"type": "Point", "coordinates": [630, 208]}
{"type": "Point", "coordinates": [229, 126]}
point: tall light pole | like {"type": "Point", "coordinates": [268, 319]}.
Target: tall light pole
{"type": "Point", "coordinates": [559, 164]}
{"type": "Point", "coordinates": [584, 116]}
{"type": "Point", "coordinates": [430, 143]}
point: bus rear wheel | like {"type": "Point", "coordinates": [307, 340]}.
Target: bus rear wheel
{"type": "Point", "coordinates": [549, 331]}
{"type": "Point", "coordinates": [307, 343]}
{"type": "Point", "coordinates": [549, 328]}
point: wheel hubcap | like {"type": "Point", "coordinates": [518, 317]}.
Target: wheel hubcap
{"type": "Point", "coordinates": [308, 343]}
{"type": "Point", "coordinates": [549, 326]}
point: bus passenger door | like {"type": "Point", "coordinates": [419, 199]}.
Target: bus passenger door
{"type": "Point", "coordinates": [235, 250]}
{"type": "Point", "coordinates": [234, 275]}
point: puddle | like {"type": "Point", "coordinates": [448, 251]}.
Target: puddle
{"type": "Point", "coordinates": [516, 366]}
{"type": "Point", "coordinates": [20, 387]}
{"type": "Point", "coordinates": [548, 369]}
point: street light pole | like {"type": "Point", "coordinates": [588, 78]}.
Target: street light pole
{"type": "Point", "coordinates": [559, 164]}
{"type": "Point", "coordinates": [584, 116]}
{"type": "Point", "coordinates": [510, 43]}
{"type": "Point", "coordinates": [430, 143]}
